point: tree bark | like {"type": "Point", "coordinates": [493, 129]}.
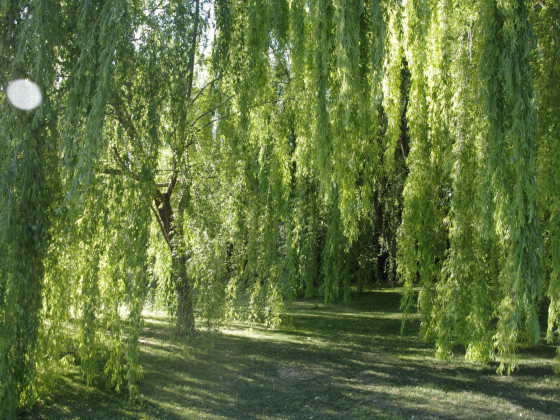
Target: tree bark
{"type": "Point", "coordinates": [185, 313]}
{"type": "Point", "coordinates": [172, 231]}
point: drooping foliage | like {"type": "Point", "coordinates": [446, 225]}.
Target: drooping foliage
{"type": "Point", "coordinates": [81, 176]}
{"type": "Point", "coordinates": [28, 186]}
{"type": "Point", "coordinates": [477, 251]}
{"type": "Point", "coordinates": [452, 93]}
{"type": "Point", "coordinates": [546, 24]}
{"type": "Point", "coordinates": [218, 158]}
{"type": "Point", "coordinates": [423, 234]}
{"type": "Point", "coordinates": [463, 304]}
{"type": "Point", "coordinates": [511, 141]}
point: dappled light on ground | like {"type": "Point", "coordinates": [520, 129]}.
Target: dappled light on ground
{"type": "Point", "coordinates": [343, 361]}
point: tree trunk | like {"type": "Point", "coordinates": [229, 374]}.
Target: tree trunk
{"type": "Point", "coordinates": [172, 231]}
{"type": "Point", "coordinates": [185, 313]}
{"type": "Point", "coordinates": [171, 223]}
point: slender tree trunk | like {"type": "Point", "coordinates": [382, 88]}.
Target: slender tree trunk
{"type": "Point", "coordinates": [172, 231]}
{"type": "Point", "coordinates": [185, 313]}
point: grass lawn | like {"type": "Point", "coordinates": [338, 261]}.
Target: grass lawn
{"type": "Point", "coordinates": [340, 362]}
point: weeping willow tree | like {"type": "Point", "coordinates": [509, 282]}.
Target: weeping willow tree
{"type": "Point", "coordinates": [395, 134]}
{"type": "Point", "coordinates": [29, 186]}
{"type": "Point", "coordinates": [476, 246]}
{"type": "Point", "coordinates": [546, 23]}
{"type": "Point", "coordinates": [463, 303]}
{"type": "Point", "coordinates": [86, 176]}
{"type": "Point", "coordinates": [423, 235]}
{"type": "Point", "coordinates": [221, 157]}
{"type": "Point", "coordinates": [319, 185]}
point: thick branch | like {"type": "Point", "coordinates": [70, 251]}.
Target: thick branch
{"type": "Point", "coordinates": [171, 185]}
{"type": "Point", "coordinates": [165, 213]}
{"type": "Point", "coordinates": [160, 222]}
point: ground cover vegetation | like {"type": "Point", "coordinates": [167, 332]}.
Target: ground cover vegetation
{"type": "Point", "coordinates": [193, 155]}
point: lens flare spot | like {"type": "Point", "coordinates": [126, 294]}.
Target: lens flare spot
{"type": "Point", "coordinates": [24, 94]}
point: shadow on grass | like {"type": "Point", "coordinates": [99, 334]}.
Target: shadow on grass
{"type": "Point", "coordinates": [345, 361]}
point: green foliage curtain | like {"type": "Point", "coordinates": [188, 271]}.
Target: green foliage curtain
{"type": "Point", "coordinates": [233, 155]}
